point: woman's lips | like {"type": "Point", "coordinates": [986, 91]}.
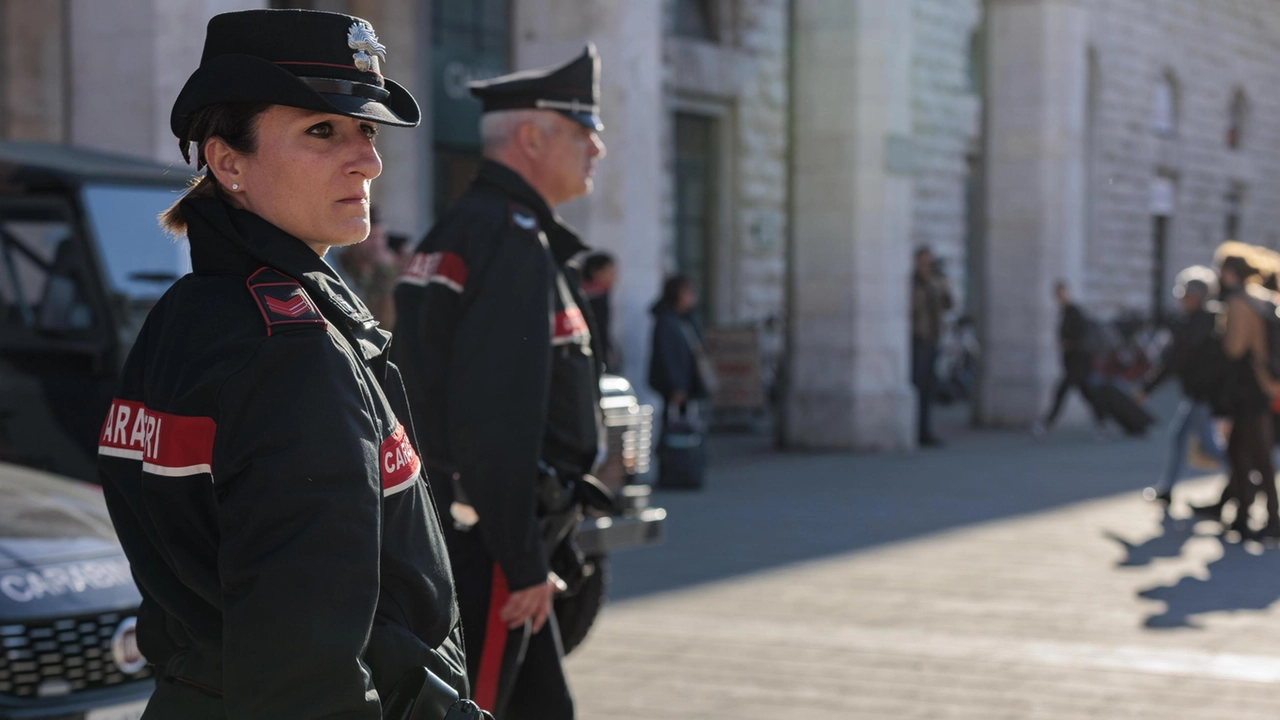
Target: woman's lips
{"type": "Point", "coordinates": [355, 200]}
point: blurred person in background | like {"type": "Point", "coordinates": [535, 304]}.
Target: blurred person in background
{"type": "Point", "coordinates": [930, 299]}
{"type": "Point", "coordinates": [599, 272]}
{"type": "Point", "coordinates": [681, 373]}
{"type": "Point", "coordinates": [1077, 361]}
{"type": "Point", "coordinates": [1193, 288]}
{"type": "Point", "coordinates": [1248, 387]}
{"type": "Point", "coordinates": [498, 358]}
{"type": "Point", "coordinates": [371, 268]}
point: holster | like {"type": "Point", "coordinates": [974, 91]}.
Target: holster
{"type": "Point", "coordinates": [562, 498]}
{"type": "Point", "coordinates": [421, 695]}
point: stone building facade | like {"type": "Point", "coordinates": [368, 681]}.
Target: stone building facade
{"type": "Point", "coordinates": [790, 154]}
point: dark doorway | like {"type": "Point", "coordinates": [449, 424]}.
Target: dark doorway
{"type": "Point", "coordinates": [695, 222]}
{"type": "Point", "coordinates": [1159, 265]}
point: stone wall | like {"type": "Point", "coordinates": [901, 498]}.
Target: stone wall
{"type": "Point", "coordinates": [1211, 47]}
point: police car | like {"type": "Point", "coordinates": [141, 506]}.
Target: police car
{"type": "Point", "coordinates": [67, 605]}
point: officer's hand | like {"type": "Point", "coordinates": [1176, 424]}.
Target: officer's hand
{"type": "Point", "coordinates": [530, 604]}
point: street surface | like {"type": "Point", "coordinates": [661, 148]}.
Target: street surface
{"type": "Point", "coordinates": [999, 577]}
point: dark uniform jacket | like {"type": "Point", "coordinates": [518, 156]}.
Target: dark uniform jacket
{"type": "Point", "coordinates": [1190, 333]}
{"type": "Point", "coordinates": [495, 343]}
{"type": "Point", "coordinates": [267, 492]}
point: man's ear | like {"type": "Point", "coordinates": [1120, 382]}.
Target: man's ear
{"type": "Point", "coordinates": [226, 164]}
{"type": "Point", "coordinates": [529, 139]}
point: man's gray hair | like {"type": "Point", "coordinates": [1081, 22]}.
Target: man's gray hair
{"type": "Point", "coordinates": [499, 128]}
{"type": "Point", "coordinates": [1196, 280]}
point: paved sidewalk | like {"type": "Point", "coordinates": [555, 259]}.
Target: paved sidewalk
{"type": "Point", "coordinates": [997, 578]}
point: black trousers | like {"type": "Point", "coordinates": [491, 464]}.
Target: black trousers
{"type": "Point", "coordinates": [514, 674]}
{"type": "Point", "coordinates": [924, 356]}
{"type": "Point", "coordinates": [1249, 451]}
{"type": "Point", "coordinates": [1076, 368]}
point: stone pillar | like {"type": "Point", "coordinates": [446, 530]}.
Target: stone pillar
{"type": "Point", "coordinates": [130, 59]}
{"type": "Point", "coordinates": [849, 356]}
{"type": "Point", "coordinates": [33, 71]}
{"type": "Point", "coordinates": [403, 192]}
{"type": "Point", "coordinates": [623, 215]}
{"type": "Point", "coordinates": [1035, 196]}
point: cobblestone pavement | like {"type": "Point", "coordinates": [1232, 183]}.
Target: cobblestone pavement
{"type": "Point", "coordinates": [996, 578]}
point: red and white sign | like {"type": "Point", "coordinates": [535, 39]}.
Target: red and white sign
{"type": "Point", "coordinates": [398, 462]}
{"type": "Point", "coordinates": [167, 444]}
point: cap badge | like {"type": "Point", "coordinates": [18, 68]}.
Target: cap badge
{"type": "Point", "coordinates": [362, 39]}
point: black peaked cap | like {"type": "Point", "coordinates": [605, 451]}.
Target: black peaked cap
{"type": "Point", "coordinates": [572, 89]}
{"type": "Point", "coordinates": [322, 61]}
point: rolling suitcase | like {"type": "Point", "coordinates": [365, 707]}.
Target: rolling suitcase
{"type": "Point", "coordinates": [682, 454]}
{"type": "Point", "coordinates": [1126, 411]}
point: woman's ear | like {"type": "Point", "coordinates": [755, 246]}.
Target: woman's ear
{"type": "Point", "coordinates": [225, 164]}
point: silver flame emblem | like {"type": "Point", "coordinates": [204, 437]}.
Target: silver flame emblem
{"type": "Point", "coordinates": [362, 39]}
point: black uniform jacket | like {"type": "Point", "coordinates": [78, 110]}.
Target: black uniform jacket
{"type": "Point", "coordinates": [495, 343]}
{"type": "Point", "coordinates": [271, 504]}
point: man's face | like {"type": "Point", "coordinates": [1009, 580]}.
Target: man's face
{"type": "Point", "coordinates": [1060, 293]}
{"type": "Point", "coordinates": [924, 262]}
{"type": "Point", "coordinates": [568, 160]}
{"type": "Point", "coordinates": [1192, 301]}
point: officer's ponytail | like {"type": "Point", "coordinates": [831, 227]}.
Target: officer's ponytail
{"type": "Point", "coordinates": [236, 124]}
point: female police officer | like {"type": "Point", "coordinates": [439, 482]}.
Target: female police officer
{"type": "Point", "coordinates": [270, 501]}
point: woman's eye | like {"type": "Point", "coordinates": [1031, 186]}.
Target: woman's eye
{"type": "Point", "coordinates": [370, 131]}
{"type": "Point", "coordinates": [322, 130]}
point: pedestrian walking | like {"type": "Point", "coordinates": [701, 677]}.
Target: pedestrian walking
{"type": "Point", "coordinates": [1248, 388]}
{"type": "Point", "coordinates": [681, 373]}
{"type": "Point", "coordinates": [496, 342]}
{"type": "Point", "coordinates": [930, 299]}
{"type": "Point", "coordinates": [257, 460]}
{"type": "Point", "coordinates": [599, 272]}
{"type": "Point", "coordinates": [1193, 287]}
{"type": "Point", "coordinates": [1077, 361]}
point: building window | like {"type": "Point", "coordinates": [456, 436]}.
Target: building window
{"type": "Point", "coordinates": [1234, 201]}
{"type": "Point", "coordinates": [1237, 119]}
{"type": "Point", "coordinates": [697, 19]}
{"type": "Point", "coordinates": [696, 182]}
{"type": "Point", "coordinates": [1164, 107]}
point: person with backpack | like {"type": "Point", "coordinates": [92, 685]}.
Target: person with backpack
{"type": "Point", "coordinates": [1193, 287]}
{"type": "Point", "coordinates": [1248, 386]}
{"type": "Point", "coordinates": [1077, 361]}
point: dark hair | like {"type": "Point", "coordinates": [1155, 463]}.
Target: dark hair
{"type": "Point", "coordinates": [236, 124]}
{"type": "Point", "coordinates": [594, 263]}
{"type": "Point", "coordinates": [671, 289]}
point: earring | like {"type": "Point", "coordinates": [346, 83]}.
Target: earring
{"type": "Point", "coordinates": [235, 186]}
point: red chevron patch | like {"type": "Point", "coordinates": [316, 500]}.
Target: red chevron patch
{"type": "Point", "coordinates": [283, 302]}
{"type": "Point", "coordinates": [296, 307]}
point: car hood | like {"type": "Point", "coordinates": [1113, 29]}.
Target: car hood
{"type": "Point", "coordinates": [59, 556]}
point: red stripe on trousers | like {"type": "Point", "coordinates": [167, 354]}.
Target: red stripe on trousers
{"type": "Point", "coordinates": [495, 643]}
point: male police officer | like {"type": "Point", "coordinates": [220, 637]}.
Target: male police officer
{"type": "Point", "coordinates": [496, 346]}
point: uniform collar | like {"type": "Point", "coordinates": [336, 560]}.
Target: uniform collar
{"type": "Point", "coordinates": [225, 239]}
{"type": "Point", "coordinates": [564, 240]}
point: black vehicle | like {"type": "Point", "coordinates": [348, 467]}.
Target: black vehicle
{"type": "Point", "coordinates": [67, 605]}
{"type": "Point", "coordinates": [82, 261]}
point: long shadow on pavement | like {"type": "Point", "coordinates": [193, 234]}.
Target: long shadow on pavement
{"type": "Point", "coordinates": [762, 509]}
{"type": "Point", "coordinates": [1239, 580]}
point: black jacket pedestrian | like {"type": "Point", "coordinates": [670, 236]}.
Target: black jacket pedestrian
{"type": "Point", "coordinates": [496, 345]}
{"type": "Point", "coordinates": [1190, 334]}
{"type": "Point", "coordinates": [1073, 330]}
{"type": "Point", "coordinates": [259, 467]}
{"type": "Point", "coordinates": [673, 364]}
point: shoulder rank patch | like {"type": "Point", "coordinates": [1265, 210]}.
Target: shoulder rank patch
{"type": "Point", "coordinates": [523, 218]}
{"type": "Point", "coordinates": [283, 302]}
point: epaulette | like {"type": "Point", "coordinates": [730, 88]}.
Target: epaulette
{"type": "Point", "coordinates": [283, 302]}
{"type": "Point", "coordinates": [521, 217]}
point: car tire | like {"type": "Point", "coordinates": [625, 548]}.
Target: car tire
{"type": "Point", "coordinates": [577, 613]}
